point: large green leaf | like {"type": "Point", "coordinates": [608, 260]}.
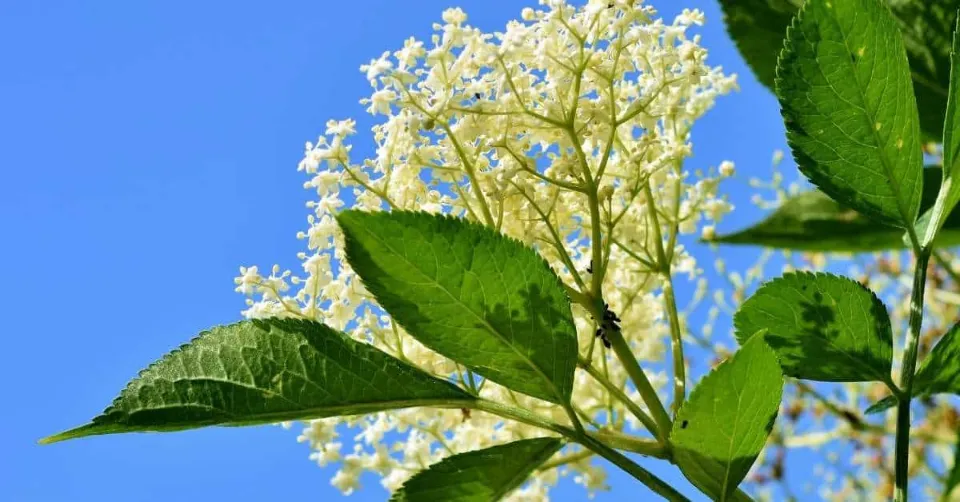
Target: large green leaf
{"type": "Point", "coordinates": [823, 327]}
{"type": "Point", "coordinates": [950, 187]}
{"type": "Point", "coordinates": [758, 28]}
{"type": "Point", "coordinates": [847, 101]}
{"type": "Point", "coordinates": [812, 221]}
{"type": "Point", "coordinates": [478, 476]}
{"type": "Point", "coordinates": [264, 371]}
{"type": "Point", "coordinates": [724, 425]}
{"type": "Point", "coordinates": [471, 294]}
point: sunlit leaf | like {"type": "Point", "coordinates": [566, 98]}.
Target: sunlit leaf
{"type": "Point", "coordinates": [266, 371]}
{"type": "Point", "coordinates": [823, 327]}
{"type": "Point", "coordinates": [847, 101]}
{"type": "Point", "coordinates": [478, 476]}
{"type": "Point", "coordinates": [721, 429]}
{"type": "Point", "coordinates": [471, 294]}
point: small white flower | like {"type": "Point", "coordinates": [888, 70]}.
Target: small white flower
{"type": "Point", "coordinates": [454, 16]}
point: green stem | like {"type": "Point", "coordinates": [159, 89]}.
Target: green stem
{"type": "Point", "coordinates": [519, 415]}
{"type": "Point", "coordinates": [676, 342]}
{"type": "Point", "coordinates": [644, 476]}
{"type": "Point", "coordinates": [637, 411]}
{"type": "Point", "coordinates": [640, 381]}
{"type": "Point", "coordinates": [627, 442]}
{"type": "Point", "coordinates": [471, 175]}
{"type": "Point", "coordinates": [639, 473]}
{"type": "Point", "coordinates": [670, 303]}
{"type": "Point", "coordinates": [574, 419]}
{"type": "Point", "coordinates": [907, 369]}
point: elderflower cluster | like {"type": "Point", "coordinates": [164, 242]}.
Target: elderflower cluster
{"type": "Point", "coordinates": [570, 124]}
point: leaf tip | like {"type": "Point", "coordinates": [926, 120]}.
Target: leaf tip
{"type": "Point", "coordinates": [49, 440]}
{"type": "Point", "coordinates": [881, 405]}
{"type": "Point", "coordinates": [76, 432]}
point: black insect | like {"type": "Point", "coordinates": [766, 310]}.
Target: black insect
{"type": "Point", "coordinates": [477, 95]}
{"type": "Point", "coordinates": [603, 337]}
{"type": "Point", "coordinates": [590, 267]}
{"type": "Point", "coordinates": [610, 322]}
{"type": "Point", "coordinates": [683, 425]}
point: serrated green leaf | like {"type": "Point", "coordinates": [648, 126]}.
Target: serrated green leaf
{"type": "Point", "coordinates": [471, 294]}
{"type": "Point", "coordinates": [266, 371]}
{"type": "Point", "coordinates": [823, 327]}
{"type": "Point", "coordinates": [478, 476]}
{"type": "Point", "coordinates": [724, 424]}
{"type": "Point", "coordinates": [758, 28]}
{"type": "Point", "coordinates": [812, 221]}
{"type": "Point", "coordinates": [950, 187]}
{"type": "Point", "coordinates": [847, 100]}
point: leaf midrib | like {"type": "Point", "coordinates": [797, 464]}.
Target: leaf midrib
{"type": "Point", "coordinates": [871, 120]}
{"type": "Point", "coordinates": [306, 414]}
{"type": "Point", "coordinates": [728, 463]}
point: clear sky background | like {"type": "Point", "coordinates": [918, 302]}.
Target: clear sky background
{"type": "Point", "coordinates": [147, 150]}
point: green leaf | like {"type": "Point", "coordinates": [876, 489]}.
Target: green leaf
{"type": "Point", "coordinates": [721, 429]}
{"type": "Point", "coordinates": [758, 28]}
{"type": "Point", "coordinates": [823, 327]}
{"type": "Point", "coordinates": [847, 101]}
{"type": "Point", "coordinates": [471, 294]}
{"type": "Point", "coordinates": [882, 405]}
{"type": "Point", "coordinates": [927, 27]}
{"type": "Point", "coordinates": [950, 187]}
{"type": "Point", "coordinates": [481, 475]}
{"type": "Point", "coordinates": [812, 221]}
{"type": "Point", "coordinates": [940, 370]}
{"type": "Point", "coordinates": [266, 371]}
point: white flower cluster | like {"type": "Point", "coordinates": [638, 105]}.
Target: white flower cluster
{"type": "Point", "coordinates": [569, 125]}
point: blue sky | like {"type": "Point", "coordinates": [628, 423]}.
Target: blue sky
{"type": "Point", "coordinates": [148, 149]}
